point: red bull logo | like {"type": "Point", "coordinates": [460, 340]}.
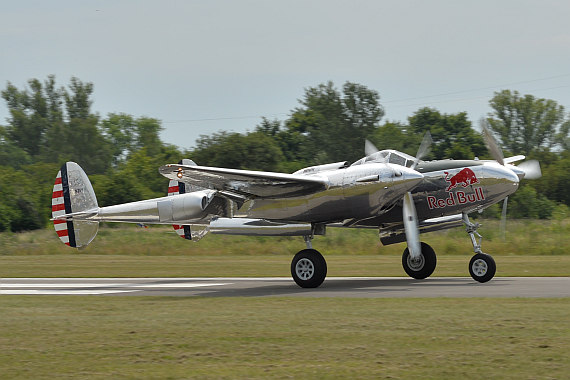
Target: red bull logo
{"type": "Point", "coordinates": [465, 177]}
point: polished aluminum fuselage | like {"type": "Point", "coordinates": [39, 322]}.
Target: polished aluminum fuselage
{"type": "Point", "coordinates": [355, 192]}
{"type": "Point", "coordinates": [362, 195]}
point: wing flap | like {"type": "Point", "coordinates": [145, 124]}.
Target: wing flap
{"type": "Point", "coordinates": [249, 183]}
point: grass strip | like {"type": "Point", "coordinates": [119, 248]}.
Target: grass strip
{"type": "Point", "coordinates": [169, 337]}
{"type": "Point", "coordinates": [524, 237]}
{"type": "Point", "coordinates": [258, 266]}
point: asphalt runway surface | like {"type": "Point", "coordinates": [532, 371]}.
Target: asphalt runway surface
{"type": "Point", "coordinates": [363, 287]}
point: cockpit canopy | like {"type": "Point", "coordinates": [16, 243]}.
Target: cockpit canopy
{"type": "Point", "coordinates": [390, 156]}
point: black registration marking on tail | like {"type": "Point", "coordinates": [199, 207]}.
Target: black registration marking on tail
{"type": "Point", "coordinates": [67, 203]}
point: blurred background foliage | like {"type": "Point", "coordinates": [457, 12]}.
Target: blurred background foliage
{"type": "Point", "coordinates": [51, 124]}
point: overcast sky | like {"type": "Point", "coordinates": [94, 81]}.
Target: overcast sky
{"type": "Point", "coordinates": [205, 66]}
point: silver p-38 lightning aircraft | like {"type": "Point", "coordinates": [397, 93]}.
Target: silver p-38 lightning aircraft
{"type": "Point", "coordinates": [400, 195]}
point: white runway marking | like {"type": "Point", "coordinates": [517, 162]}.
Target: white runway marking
{"type": "Point", "coordinates": [57, 292]}
{"type": "Point", "coordinates": [69, 286]}
{"type": "Point", "coordinates": [178, 285]}
{"type": "Point", "coordinates": [58, 286]}
{"type": "Point", "coordinates": [368, 287]}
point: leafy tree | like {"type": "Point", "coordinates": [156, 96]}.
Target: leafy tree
{"type": "Point", "coordinates": [294, 145]}
{"type": "Point", "coordinates": [28, 116]}
{"type": "Point", "coordinates": [20, 201]}
{"type": "Point", "coordinates": [453, 135]}
{"type": "Point", "coordinates": [395, 135]}
{"type": "Point", "coordinates": [555, 179]}
{"type": "Point", "coordinates": [271, 128]}
{"type": "Point", "coordinates": [255, 151]}
{"type": "Point", "coordinates": [86, 145]}
{"type": "Point", "coordinates": [115, 188]}
{"type": "Point", "coordinates": [297, 143]}
{"type": "Point", "coordinates": [127, 135]}
{"type": "Point", "coordinates": [53, 124]}
{"type": "Point", "coordinates": [137, 178]}
{"type": "Point", "coordinates": [527, 203]}
{"type": "Point", "coordinates": [336, 124]}
{"type": "Point", "coordinates": [563, 136]}
{"type": "Point", "coordinates": [525, 123]}
{"type": "Point", "coordinates": [10, 154]}
{"type": "Point", "coordinates": [77, 102]}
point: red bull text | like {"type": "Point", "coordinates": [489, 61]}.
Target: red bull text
{"type": "Point", "coordinates": [457, 198]}
{"type": "Point", "coordinates": [465, 177]}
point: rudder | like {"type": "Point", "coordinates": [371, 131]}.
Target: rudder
{"type": "Point", "coordinates": [175, 188]}
{"type": "Point", "coordinates": [73, 193]}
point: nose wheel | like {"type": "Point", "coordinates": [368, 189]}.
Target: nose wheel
{"type": "Point", "coordinates": [482, 266]}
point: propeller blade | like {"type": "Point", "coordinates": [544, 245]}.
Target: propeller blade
{"type": "Point", "coordinates": [494, 149]}
{"type": "Point", "coordinates": [531, 169]}
{"type": "Point", "coordinates": [504, 218]}
{"type": "Point", "coordinates": [369, 148]}
{"type": "Point", "coordinates": [424, 149]}
{"type": "Point", "coordinates": [411, 226]}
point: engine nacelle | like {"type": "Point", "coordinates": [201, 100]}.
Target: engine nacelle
{"type": "Point", "coordinates": [183, 207]}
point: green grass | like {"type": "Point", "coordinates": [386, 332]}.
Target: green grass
{"type": "Point", "coordinates": [532, 248]}
{"type": "Point", "coordinates": [102, 337]}
{"type": "Point", "coordinates": [257, 265]}
{"type": "Point", "coordinates": [153, 337]}
{"type": "Point", "coordinates": [524, 237]}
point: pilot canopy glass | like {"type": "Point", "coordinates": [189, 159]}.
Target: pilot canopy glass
{"type": "Point", "coordinates": [387, 156]}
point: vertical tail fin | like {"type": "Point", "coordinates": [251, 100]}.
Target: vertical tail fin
{"type": "Point", "coordinates": [174, 188]}
{"type": "Point", "coordinates": [73, 193]}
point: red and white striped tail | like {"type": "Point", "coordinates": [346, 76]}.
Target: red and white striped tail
{"type": "Point", "coordinates": [58, 209]}
{"type": "Point", "coordinates": [73, 193]}
{"type": "Point", "coordinates": [175, 188]}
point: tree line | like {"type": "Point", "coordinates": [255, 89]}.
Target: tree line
{"type": "Point", "coordinates": [51, 124]}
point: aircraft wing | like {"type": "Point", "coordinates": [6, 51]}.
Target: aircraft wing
{"type": "Point", "coordinates": [248, 183]}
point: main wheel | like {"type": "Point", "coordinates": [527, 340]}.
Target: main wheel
{"type": "Point", "coordinates": [482, 267]}
{"type": "Point", "coordinates": [421, 267]}
{"type": "Point", "coordinates": [309, 268]}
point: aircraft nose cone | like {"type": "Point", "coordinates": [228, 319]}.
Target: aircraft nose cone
{"type": "Point", "coordinates": [502, 174]}
{"type": "Point", "coordinates": [513, 175]}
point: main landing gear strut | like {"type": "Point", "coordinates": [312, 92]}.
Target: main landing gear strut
{"type": "Point", "coordinates": [481, 266]}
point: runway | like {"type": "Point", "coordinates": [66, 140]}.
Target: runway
{"type": "Point", "coordinates": [360, 287]}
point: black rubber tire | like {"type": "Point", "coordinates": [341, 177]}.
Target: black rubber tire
{"type": "Point", "coordinates": [425, 268]}
{"type": "Point", "coordinates": [309, 268]}
{"type": "Point", "coordinates": [482, 267]}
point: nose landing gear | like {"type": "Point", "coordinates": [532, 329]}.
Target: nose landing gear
{"type": "Point", "coordinates": [482, 266]}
